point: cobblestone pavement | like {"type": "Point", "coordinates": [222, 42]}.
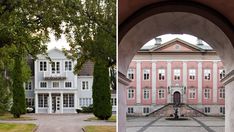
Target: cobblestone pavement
{"type": "Point", "coordinates": [159, 124]}
{"type": "Point", "coordinates": [62, 122]}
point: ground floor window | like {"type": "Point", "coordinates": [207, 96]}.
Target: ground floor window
{"type": "Point", "coordinates": [207, 109]}
{"type": "Point", "coordinates": [29, 102]}
{"type": "Point", "coordinates": [113, 101]}
{"type": "Point", "coordinates": [130, 110]}
{"type": "Point", "coordinates": [68, 100]}
{"type": "Point", "coordinates": [85, 102]}
{"type": "Point", "coordinates": [146, 110]}
{"type": "Point", "coordinates": [161, 93]}
{"type": "Point", "coordinates": [43, 100]}
{"type": "Point", "coordinates": [222, 110]}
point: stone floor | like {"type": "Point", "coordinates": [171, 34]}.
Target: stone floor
{"type": "Point", "coordinates": [157, 124]}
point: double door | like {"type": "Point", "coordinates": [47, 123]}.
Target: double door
{"type": "Point", "coordinates": [56, 104]}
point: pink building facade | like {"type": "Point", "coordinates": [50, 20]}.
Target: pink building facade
{"type": "Point", "coordinates": [175, 72]}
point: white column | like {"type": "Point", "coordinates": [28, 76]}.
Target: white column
{"type": "Point", "coordinates": [36, 102]}
{"type": "Point", "coordinates": [168, 81]}
{"type": "Point", "coordinates": [138, 82]}
{"type": "Point", "coordinates": [185, 81]}
{"type": "Point", "coordinates": [199, 82]}
{"type": "Point", "coordinates": [215, 88]}
{"type": "Point", "coordinates": [75, 100]}
{"type": "Point", "coordinates": [50, 103]}
{"type": "Point", "coordinates": [154, 82]}
{"type": "Point", "coordinates": [61, 102]}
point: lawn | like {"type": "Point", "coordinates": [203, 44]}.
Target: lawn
{"type": "Point", "coordinates": [10, 127]}
{"type": "Point", "coordinates": [111, 119]}
{"type": "Point", "coordinates": [8, 116]}
{"type": "Point", "coordinates": [100, 128]}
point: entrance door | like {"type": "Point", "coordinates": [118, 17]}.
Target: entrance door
{"type": "Point", "coordinates": [53, 104]}
{"type": "Point", "coordinates": [176, 98]}
{"type": "Point", "coordinates": [57, 104]}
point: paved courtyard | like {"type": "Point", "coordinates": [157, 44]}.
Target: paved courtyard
{"type": "Point", "coordinates": [62, 122]}
{"type": "Point", "coordinates": [159, 124]}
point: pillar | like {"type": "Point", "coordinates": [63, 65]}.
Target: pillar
{"type": "Point", "coordinates": [154, 82]}
{"type": "Point", "coordinates": [122, 104]}
{"type": "Point", "coordinates": [185, 81]}
{"type": "Point", "coordinates": [138, 82]}
{"type": "Point", "coordinates": [36, 102]}
{"type": "Point", "coordinates": [215, 87]}
{"type": "Point", "coordinates": [61, 102]}
{"type": "Point", "coordinates": [199, 91]}
{"type": "Point", "coordinates": [168, 82]}
{"type": "Point", "coordinates": [50, 103]}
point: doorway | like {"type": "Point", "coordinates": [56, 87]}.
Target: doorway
{"type": "Point", "coordinates": [176, 98]}
{"type": "Point", "coordinates": [56, 104]}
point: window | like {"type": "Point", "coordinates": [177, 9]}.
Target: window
{"type": "Point", "coordinates": [145, 110]}
{"type": "Point", "coordinates": [85, 102]}
{"type": "Point", "coordinates": [192, 93]}
{"type": "Point", "coordinates": [28, 85]}
{"type": "Point", "coordinates": [130, 93]}
{"type": "Point", "coordinates": [207, 93]}
{"type": "Point", "coordinates": [130, 110]}
{"type": "Point", "coordinates": [222, 110]}
{"type": "Point", "coordinates": [55, 67]}
{"type": "Point", "coordinates": [68, 66]}
{"type": "Point", "coordinates": [222, 93]}
{"type": "Point", "coordinates": [192, 74]}
{"type": "Point", "coordinates": [113, 101]}
{"type": "Point", "coordinates": [43, 66]}
{"type": "Point", "coordinates": [161, 93]}
{"type": "Point", "coordinates": [130, 74]}
{"type": "Point", "coordinates": [161, 74]}
{"type": "Point", "coordinates": [146, 93]}
{"type": "Point", "coordinates": [68, 100]}
{"type": "Point", "coordinates": [68, 84]}
{"type": "Point", "coordinates": [176, 74]}
{"type": "Point", "coordinates": [29, 102]}
{"type": "Point", "coordinates": [146, 73]}
{"type": "Point", "coordinates": [207, 109]}
{"type": "Point", "coordinates": [221, 74]}
{"type": "Point", "coordinates": [207, 74]}
{"type": "Point", "coordinates": [85, 85]}
{"type": "Point", "coordinates": [55, 84]}
{"type": "Point", "coordinates": [43, 84]}
{"type": "Point", "coordinates": [42, 100]}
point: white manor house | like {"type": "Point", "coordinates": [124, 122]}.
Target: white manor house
{"type": "Point", "coordinates": [53, 88]}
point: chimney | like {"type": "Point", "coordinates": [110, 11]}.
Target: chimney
{"type": "Point", "coordinates": [199, 42]}
{"type": "Point", "coordinates": [158, 41]}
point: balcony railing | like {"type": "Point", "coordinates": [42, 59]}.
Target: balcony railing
{"type": "Point", "coordinates": [55, 76]}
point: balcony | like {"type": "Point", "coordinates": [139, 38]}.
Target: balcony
{"type": "Point", "coordinates": [55, 76]}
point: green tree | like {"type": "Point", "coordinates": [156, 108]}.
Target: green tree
{"type": "Point", "coordinates": [4, 94]}
{"type": "Point", "coordinates": [101, 91]}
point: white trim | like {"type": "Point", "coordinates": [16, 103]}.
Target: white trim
{"type": "Point", "coordinates": [47, 66]}
{"type": "Point", "coordinates": [43, 87]}
{"type": "Point", "coordinates": [68, 87]}
{"type": "Point", "coordinates": [81, 85]}
{"type": "Point", "coordinates": [55, 82]}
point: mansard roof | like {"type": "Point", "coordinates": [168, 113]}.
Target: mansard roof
{"type": "Point", "coordinates": [182, 46]}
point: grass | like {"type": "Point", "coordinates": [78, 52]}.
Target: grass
{"type": "Point", "coordinates": [100, 128]}
{"type": "Point", "coordinates": [111, 119]}
{"type": "Point", "coordinates": [10, 127]}
{"type": "Point", "coordinates": [8, 116]}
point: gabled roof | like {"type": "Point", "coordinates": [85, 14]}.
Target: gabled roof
{"type": "Point", "coordinates": [188, 47]}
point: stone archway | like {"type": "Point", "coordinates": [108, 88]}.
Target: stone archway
{"type": "Point", "coordinates": [176, 18]}
{"type": "Point", "coordinates": [176, 98]}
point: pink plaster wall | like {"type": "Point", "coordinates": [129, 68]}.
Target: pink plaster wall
{"type": "Point", "coordinates": [207, 83]}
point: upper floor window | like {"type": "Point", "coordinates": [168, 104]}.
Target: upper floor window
{"type": "Point", "coordinates": [192, 74]}
{"type": "Point", "coordinates": [55, 67]}
{"type": "Point", "coordinates": [161, 74]}
{"type": "Point", "coordinates": [113, 101]}
{"type": "Point", "coordinates": [28, 85]}
{"type": "Point", "coordinates": [68, 66]}
{"type": "Point", "coordinates": [68, 84]}
{"type": "Point", "coordinates": [207, 74]}
{"type": "Point", "coordinates": [161, 93]}
{"type": "Point", "coordinates": [85, 85]}
{"type": "Point", "coordinates": [222, 93]}
{"type": "Point", "coordinates": [43, 84]}
{"type": "Point", "coordinates": [146, 74]}
{"type": "Point", "coordinates": [221, 74]}
{"type": "Point", "coordinates": [146, 93]}
{"type": "Point", "coordinates": [130, 93]}
{"type": "Point", "coordinates": [55, 84]}
{"type": "Point", "coordinates": [192, 93]}
{"type": "Point", "coordinates": [130, 74]}
{"type": "Point", "coordinates": [207, 93]}
{"type": "Point", "coordinates": [176, 74]}
{"type": "Point", "coordinates": [43, 66]}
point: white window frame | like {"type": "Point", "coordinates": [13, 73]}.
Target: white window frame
{"type": "Point", "coordinates": [68, 82]}
{"type": "Point", "coordinates": [114, 101]}
{"type": "Point", "coordinates": [28, 86]}
{"type": "Point", "coordinates": [161, 93]}
{"type": "Point", "coordinates": [176, 74]}
{"type": "Point", "coordinates": [207, 93]}
{"type": "Point", "coordinates": [207, 74]}
{"type": "Point", "coordinates": [85, 102]}
{"type": "Point", "coordinates": [146, 93]}
{"type": "Point", "coordinates": [146, 74]}
{"type": "Point", "coordinates": [57, 67]}
{"type": "Point", "coordinates": [221, 74]}
{"type": "Point", "coordinates": [192, 74]}
{"type": "Point", "coordinates": [131, 74]}
{"type": "Point", "coordinates": [161, 74]}
{"type": "Point", "coordinates": [86, 86]}
{"type": "Point", "coordinates": [192, 93]}
{"type": "Point", "coordinates": [42, 82]}
{"type": "Point", "coordinates": [67, 100]}
{"type": "Point", "coordinates": [222, 93]}
{"type": "Point", "coordinates": [130, 110]}
{"type": "Point", "coordinates": [52, 84]}
{"type": "Point", "coordinates": [44, 101]}
{"type": "Point", "coordinates": [69, 63]}
{"type": "Point", "coordinates": [29, 100]}
{"type": "Point", "coordinates": [146, 110]}
{"type": "Point", "coordinates": [207, 110]}
{"type": "Point", "coordinates": [44, 65]}
{"type": "Point", "coordinates": [131, 93]}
